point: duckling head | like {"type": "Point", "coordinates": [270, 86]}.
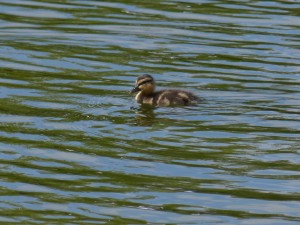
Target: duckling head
{"type": "Point", "coordinates": [144, 84]}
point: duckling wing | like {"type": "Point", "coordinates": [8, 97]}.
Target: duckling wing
{"type": "Point", "coordinates": [185, 98]}
{"type": "Point", "coordinates": [175, 97]}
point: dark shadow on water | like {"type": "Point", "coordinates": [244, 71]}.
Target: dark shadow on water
{"type": "Point", "coordinates": [148, 115]}
{"type": "Point", "coordinates": [145, 115]}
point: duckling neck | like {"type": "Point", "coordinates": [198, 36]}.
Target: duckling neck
{"type": "Point", "coordinates": [142, 97]}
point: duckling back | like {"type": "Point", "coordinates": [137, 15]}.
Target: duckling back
{"type": "Point", "coordinates": [174, 97]}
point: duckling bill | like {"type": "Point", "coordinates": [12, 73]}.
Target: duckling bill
{"type": "Point", "coordinates": [145, 89]}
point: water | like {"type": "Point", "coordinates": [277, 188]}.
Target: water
{"type": "Point", "coordinates": [76, 149]}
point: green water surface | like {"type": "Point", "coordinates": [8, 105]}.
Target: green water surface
{"type": "Point", "coordinates": [76, 149]}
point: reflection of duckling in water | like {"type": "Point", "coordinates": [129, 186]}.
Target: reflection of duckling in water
{"type": "Point", "coordinates": [145, 115]}
{"type": "Point", "coordinates": [145, 86]}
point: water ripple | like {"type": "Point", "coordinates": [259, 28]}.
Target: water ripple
{"type": "Point", "coordinates": [76, 147]}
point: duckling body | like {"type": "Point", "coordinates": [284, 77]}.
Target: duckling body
{"type": "Point", "coordinates": [145, 86]}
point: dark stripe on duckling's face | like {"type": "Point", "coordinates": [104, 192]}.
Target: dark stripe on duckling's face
{"type": "Point", "coordinates": [143, 82]}
{"type": "Point", "coordinates": [143, 79]}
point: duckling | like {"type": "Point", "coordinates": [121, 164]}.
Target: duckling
{"type": "Point", "coordinates": [145, 86]}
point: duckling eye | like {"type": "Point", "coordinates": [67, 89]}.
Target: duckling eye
{"type": "Point", "coordinates": [144, 82]}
